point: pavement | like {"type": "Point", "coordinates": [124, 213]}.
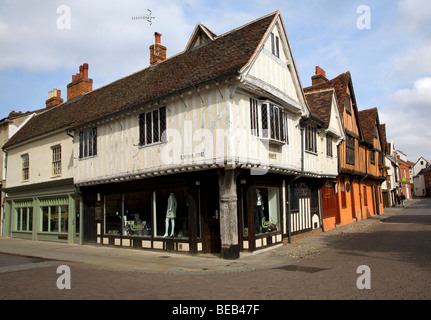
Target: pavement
{"type": "Point", "coordinates": [136, 260]}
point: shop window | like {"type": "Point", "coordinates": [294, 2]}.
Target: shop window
{"type": "Point", "coordinates": [137, 213]}
{"type": "Point", "coordinates": [55, 218]}
{"type": "Point", "coordinates": [24, 219]}
{"type": "Point", "coordinates": [170, 214]}
{"type": "Point", "coordinates": [267, 210]}
{"type": "Point", "coordinates": [113, 214]}
{"type": "Point", "coordinates": [130, 214]}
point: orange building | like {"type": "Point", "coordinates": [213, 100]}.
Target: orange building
{"type": "Point", "coordinates": [356, 194]}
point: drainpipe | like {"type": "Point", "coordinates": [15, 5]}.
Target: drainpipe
{"type": "Point", "coordinates": [296, 178]}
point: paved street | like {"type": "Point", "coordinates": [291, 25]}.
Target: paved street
{"type": "Point", "coordinates": [396, 247]}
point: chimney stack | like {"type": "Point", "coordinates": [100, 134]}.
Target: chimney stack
{"type": "Point", "coordinates": [54, 98]}
{"type": "Point", "coordinates": [319, 77]}
{"type": "Point", "coordinates": [80, 83]}
{"type": "Point", "coordinates": [157, 50]}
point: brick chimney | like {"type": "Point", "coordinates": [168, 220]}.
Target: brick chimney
{"type": "Point", "coordinates": [54, 98]}
{"type": "Point", "coordinates": [157, 50]}
{"type": "Point", "coordinates": [319, 77]}
{"type": "Point", "coordinates": [80, 83]}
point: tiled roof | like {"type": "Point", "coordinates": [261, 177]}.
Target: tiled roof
{"type": "Point", "coordinates": [224, 56]}
{"type": "Point", "coordinates": [320, 103]}
{"type": "Point", "coordinates": [340, 84]}
{"type": "Point", "coordinates": [368, 120]}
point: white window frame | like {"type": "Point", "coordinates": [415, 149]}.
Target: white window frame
{"type": "Point", "coordinates": [268, 122]}
{"type": "Point", "coordinates": [25, 173]}
{"type": "Point", "coordinates": [56, 160]}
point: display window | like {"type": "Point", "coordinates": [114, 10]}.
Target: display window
{"type": "Point", "coordinates": [24, 219]}
{"type": "Point", "coordinates": [54, 218]}
{"type": "Point", "coordinates": [171, 214]}
{"type": "Point", "coordinates": [267, 210]}
{"type": "Point", "coordinates": [135, 214]}
{"type": "Point", "coordinates": [113, 214]}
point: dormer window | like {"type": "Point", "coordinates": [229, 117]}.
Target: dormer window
{"type": "Point", "coordinates": [275, 45]}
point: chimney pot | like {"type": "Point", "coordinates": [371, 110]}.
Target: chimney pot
{"type": "Point", "coordinates": [157, 37]}
{"type": "Point", "coordinates": [157, 50]}
{"type": "Point", "coordinates": [319, 77]}
{"type": "Point", "coordinates": [320, 71]}
{"type": "Point", "coordinates": [80, 83]}
{"type": "Point", "coordinates": [54, 98]}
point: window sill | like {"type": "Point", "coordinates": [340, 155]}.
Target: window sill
{"type": "Point", "coordinates": [273, 142]}
{"type": "Point", "coordinates": [311, 152]}
{"type": "Point", "coordinates": [87, 158]}
{"type": "Point", "coordinates": [152, 144]}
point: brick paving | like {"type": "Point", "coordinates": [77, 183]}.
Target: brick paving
{"type": "Point", "coordinates": [396, 247]}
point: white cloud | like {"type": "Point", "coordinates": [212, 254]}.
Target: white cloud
{"type": "Point", "coordinates": [105, 35]}
{"type": "Point", "coordinates": [407, 119]}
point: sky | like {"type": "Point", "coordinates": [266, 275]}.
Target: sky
{"type": "Point", "coordinates": [385, 44]}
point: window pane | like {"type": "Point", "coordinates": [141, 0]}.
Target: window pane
{"type": "Point", "coordinates": [142, 129]}
{"type": "Point", "coordinates": [24, 218]}
{"type": "Point", "coordinates": [267, 211]}
{"type": "Point", "coordinates": [90, 142]}
{"type": "Point", "coordinates": [54, 219]}
{"type": "Point", "coordinates": [171, 214]}
{"type": "Point", "coordinates": [137, 213]}
{"type": "Point", "coordinates": [45, 218]}
{"type": "Point", "coordinates": [30, 218]}
{"type": "Point", "coordinates": [155, 125]}
{"type": "Point", "coordinates": [149, 127]}
{"type": "Point", "coordinates": [85, 147]}
{"type": "Point", "coordinates": [64, 215]}
{"type": "Point", "coordinates": [95, 141]}
{"type": "Point", "coordinates": [163, 124]}
{"type": "Point", "coordinates": [264, 109]}
{"type": "Point", "coordinates": [113, 214]}
{"type": "Point", "coordinates": [81, 144]}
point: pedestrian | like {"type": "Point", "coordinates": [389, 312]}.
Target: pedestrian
{"type": "Point", "coordinates": [403, 197]}
{"type": "Point", "coordinates": [398, 199]}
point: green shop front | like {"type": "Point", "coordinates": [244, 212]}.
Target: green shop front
{"type": "Point", "coordinates": [45, 211]}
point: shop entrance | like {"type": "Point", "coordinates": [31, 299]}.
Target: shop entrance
{"type": "Point", "coordinates": [210, 218]}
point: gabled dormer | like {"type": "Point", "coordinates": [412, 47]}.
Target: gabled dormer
{"type": "Point", "coordinates": [201, 36]}
{"type": "Point", "coordinates": [272, 70]}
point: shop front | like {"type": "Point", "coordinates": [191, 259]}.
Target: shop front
{"type": "Point", "coordinates": [181, 213]}
{"type": "Point", "coordinates": [172, 213]}
{"type": "Point", "coordinates": [47, 211]}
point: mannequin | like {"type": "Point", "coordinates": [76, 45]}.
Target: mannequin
{"type": "Point", "coordinates": [171, 213]}
{"type": "Point", "coordinates": [259, 210]}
